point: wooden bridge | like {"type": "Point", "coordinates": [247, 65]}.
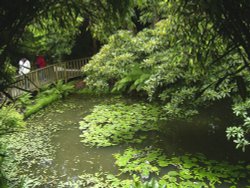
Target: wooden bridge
{"type": "Point", "coordinates": [37, 78]}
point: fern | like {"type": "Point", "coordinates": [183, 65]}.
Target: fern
{"type": "Point", "coordinates": [133, 80]}
{"type": "Point", "coordinates": [64, 89]}
{"type": "Point", "coordinates": [140, 82]}
{"type": "Point", "coordinates": [25, 99]}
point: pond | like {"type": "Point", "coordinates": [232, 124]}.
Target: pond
{"type": "Point", "coordinates": [50, 152]}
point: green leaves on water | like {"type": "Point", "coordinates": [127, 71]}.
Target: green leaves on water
{"type": "Point", "coordinates": [117, 123]}
{"type": "Point", "coordinates": [142, 162]}
{"type": "Point", "coordinates": [26, 150]}
{"type": "Point", "coordinates": [97, 180]}
{"type": "Point", "coordinates": [183, 171]}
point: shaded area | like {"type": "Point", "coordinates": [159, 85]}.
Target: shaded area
{"type": "Point", "coordinates": [68, 158]}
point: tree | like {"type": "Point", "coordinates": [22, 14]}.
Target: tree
{"type": "Point", "coordinates": [50, 37]}
{"type": "Point", "coordinates": [183, 62]}
{"type": "Point", "coordinates": [16, 16]}
{"type": "Point", "coordinates": [230, 18]}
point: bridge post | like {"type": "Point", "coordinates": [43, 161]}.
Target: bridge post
{"type": "Point", "coordinates": [65, 72]}
{"type": "Point", "coordinates": [56, 71]}
{"type": "Point", "coordinates": [37, 79]}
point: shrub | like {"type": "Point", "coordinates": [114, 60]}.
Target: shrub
{"type": "Point", "coordinates": [10, 118]}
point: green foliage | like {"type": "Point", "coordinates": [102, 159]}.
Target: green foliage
{"type": "Point", "coordinates": [134, 80]}
{"type": "Point", "coordinates": [25, 99]}
{"type": "Point", "coordinates": [112, 124]}
{"type": "Point", "coordinates": [10, 122]}
{"type": "Point", "coordinates": [149, 184]}
{"type": "Point", "coordinates": [41, 103]}
{"type": "Point", "coordinates": [151, 10]}
{"type": "Point", "coordinates": [28, 182]}
{"type": "Point", "coordinates": [32, 149]}
{"type": "Point", "coordinates": [7, 72]}
{"type": "Point", "coordinates": [48, 96]}
{"type": "Point", "coordinates": [25, 150]}
{"type": "Point", "coordinates": [184, 171]}
{"type": "Point", "coordinates": [226, 19]}
{"type": "Point", "coordinates": [64, 89]}
{"type": "Point", "coordinates": [181, 61]}
{"type": "Point", "coordinates": [49, 36]}
{"type": "Point", "coordinates": [98, 180]}
{"type": "Point", "coordinates": [141, 162]}
{"type": "Point", "coordinates": [10, 119]}
{"type": "Point", "coordinates": [165, 67]}
{"type": "Point", "coordinates": [101, 71]}
{"type": "Point", "coordinates": [240, 133]}
{"type": "Point", "coordinates": [86, 180]}
{"type": "Point", "coordinates": [88, 91]}
{"type": "Point", "coordinates": [30, 152]}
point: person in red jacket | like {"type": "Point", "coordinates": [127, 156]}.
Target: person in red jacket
{"type": "Point", "coordinates": [41, 63]}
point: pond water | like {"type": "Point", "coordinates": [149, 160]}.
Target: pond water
{"type": "Point", "coordinates": [66, 157]}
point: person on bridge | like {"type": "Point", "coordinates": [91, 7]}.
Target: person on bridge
{"type": "Point", "coordinates": [24, 66]}
{"type": "Point", "coordinates": [41, 63]}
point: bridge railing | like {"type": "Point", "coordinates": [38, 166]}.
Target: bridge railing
{"type": "Point", "coordinates": [49, 74]}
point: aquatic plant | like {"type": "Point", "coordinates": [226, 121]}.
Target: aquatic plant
{"type": "Point", "coordinates": [85, 180]}
{"type": "Point", "coordinates": [10, 121]}
{"type": "Point", "coordinates": [112, 124]}
{"type": "Point", "coordinates": [97, 180]}
{"type": "Point", "coordinates": [27, 149]}
{"type": "Point", "coordinates": [31, 149]}
{"type": "Point", "coordinates": [153, 183]}
{"type": "Point", "coordinates": [182, 171]}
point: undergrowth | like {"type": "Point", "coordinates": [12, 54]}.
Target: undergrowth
{"type": "Point", "coordinates": [47, 96]}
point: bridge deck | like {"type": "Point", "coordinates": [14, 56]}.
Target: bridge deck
{"type": "Point", "coordinates": [47, 75]}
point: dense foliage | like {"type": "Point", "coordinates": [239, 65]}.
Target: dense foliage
{"type": "Point", "coordinates": [189, 54]}
{"type": "Point", "coordinates": [32, 155]}
{"type": "Point", "coordinates": [11, 121]}
{"type": "Point", "coordinates": [186, 171]}
{"type": "Point", "coordinates": [230, 19]}
{"type": "Point", "coordinates": [113, 124]}
{"type": "Point", "coordinates": [103, 128]}
{"type": "Point", "coordinates": [49, 27]}
{"type": "Point", "coordinates": [182, 62]}
{"type": "Point", "coordinates": [50, 37]}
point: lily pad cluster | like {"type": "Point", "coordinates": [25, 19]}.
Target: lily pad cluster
{"type": "Point", "coordinates": [26, 150]}
{"type": "Point", "coordinates": [97, 180]}
{"type": "Point", "coordinates": [114, 124]}
{"type": "Point", "coordinates": [31, 148]}
{"type": "Point", "coordinates": [180, 171]}
{"type": "Point", "coordinates": [85, 180]}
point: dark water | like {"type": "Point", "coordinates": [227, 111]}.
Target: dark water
{"type": "Point", "coordinates": [71, 157]}
{"type": "Point", "coordinates": [204, 134]}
